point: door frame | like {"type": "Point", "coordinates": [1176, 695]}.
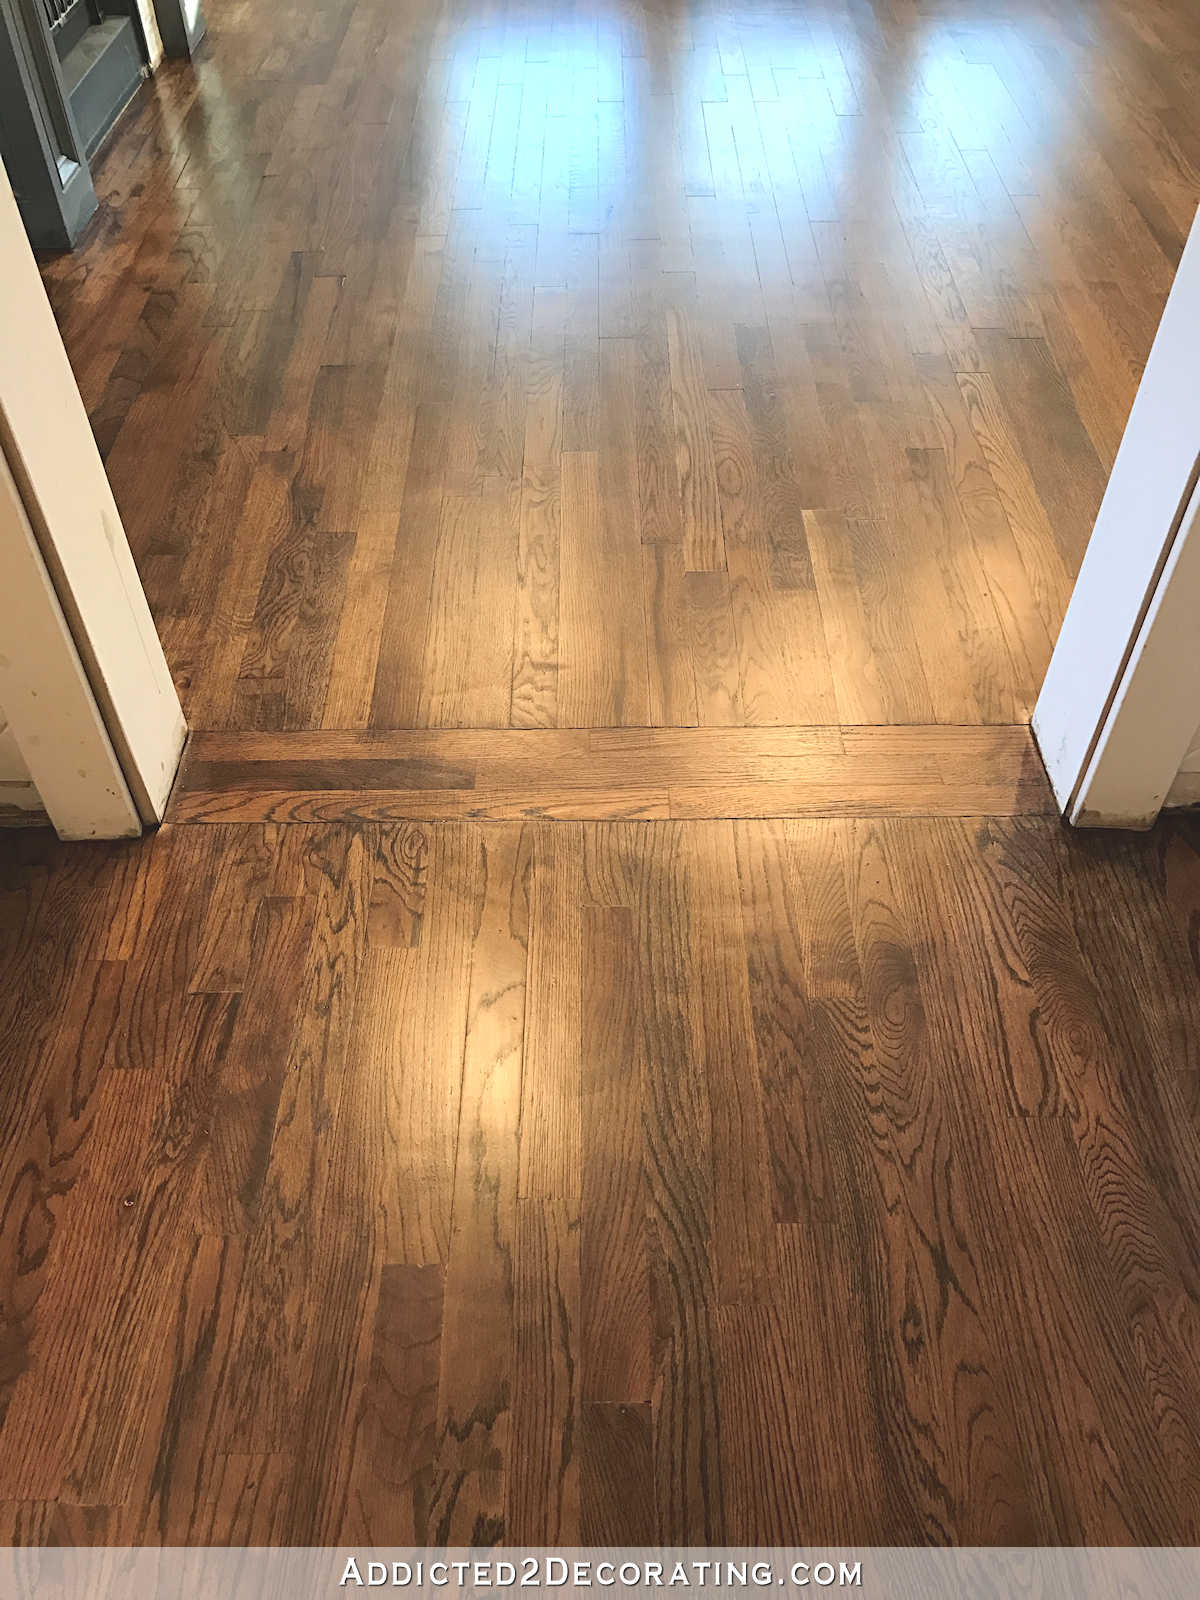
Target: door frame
{"type": "Point", "coordinates": [79, 654]}
{"type": "Point", "coordinates": [1121, 700]}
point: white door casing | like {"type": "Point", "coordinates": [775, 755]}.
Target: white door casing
{"type": "Point", "coordinates": [64, 503]}
{"type": "Point", "coordinates": [1121, 699]}
{"type": "Point", "coordinates": [1152, 718]}
{"type": "Point", "coordinates": [47, 697]}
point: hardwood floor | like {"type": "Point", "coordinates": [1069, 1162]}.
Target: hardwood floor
{"type": "Point", "coordinates": [557, 365]}
{"type": "Point", "coordinates": [611, 1044]}
{"type": "Point", "coordinates": [755, 1181]}
{"type": "Point", "coordinates": [601, 773]}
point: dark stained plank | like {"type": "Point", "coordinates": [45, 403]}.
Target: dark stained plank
{"type": "Point", "coordinates": [47, 1137]}
{"type": "Point", "coordinates": [464, 680]}
{"type": "Point", "coordinates": [543, 1472]}
{"type": "Point", "coordinates": [285, 663]}
{"type": "Point", "coordinates": [616, 1475]}
{"type": "Point", "coordinates": [399, 885]}
{"type": "Point", "coordinates": [551, 1136]}
{"type": "Point", "coordinates": [1149, 1234]}
{"type": "Point", "coordinates": [660, 507]}
{"type": "Point", "coordinates": [120, 1234]}
{"type": "Point", "coordinates": [397, 1431]}
{"type": "Point", "coordinates": [313, 1355]}
{"type": "Point", "coordinates": [1127, 935]}
{"type": "Point", "coordinates": [250, 1079]}
{"type": "Point", "coordinates": [615, 1318]}
{"type": "Point", "coordinates": [181, 1457]}
{"type": "Point", "coordinates": [603, 672]}
{"type": "Point", "coordinates": [407, 1051]}
{"type": "Point", "coordinates": [765, 1398]}
{"type": "Point", "coordinates": [243, 878]}
{"type": "Point", "coordinates": [50, 1522]}
{"type": "Point", "coordinates": [958, 1250]}
{"type": "Point", "coordinates": [785, 1025]}
{"type": "Point", "coordinates": [677, 1115]}
{"type": "Point", "coordinates": [723, 1031]}
{"type": "Point", "coordinates": [567, 419]}
{"type": "Point", "coordinates": [1096, 1379]}
{"type": "Point", "coordinates": [331, 775]}
{"type": "Point", "coordinates": [472, 1462]}
{"type": "Point", "coordinates": [262, 1397]}
{"type": "Point", "coordinates": [970, 1481]}
{"type": "Point", "coordinates": [149, 1033]}
{"type": "Point", "coordinates": [246, 1501]}
{"type": "Point", "coordinates": [397, 679]}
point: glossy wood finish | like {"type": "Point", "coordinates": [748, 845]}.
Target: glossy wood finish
{"type": "Point", "coordinates": [579, 365]}
{"type": "Point", "coordinates": [608, 773]}
{"type": "Point", "coordinates": [550, 412]}
{"type": "Point", "coordinates": [734, 1182]}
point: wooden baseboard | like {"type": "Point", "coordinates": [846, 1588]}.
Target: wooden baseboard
{"type": "Point", "coordinates": [593, 774]}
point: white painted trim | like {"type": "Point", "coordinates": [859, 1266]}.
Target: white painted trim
{"type": "Point", "coordinates": [1184, 792]}
{"type": "Point", "coordinates": [46, 437]}
{"type": "Point", "coordinates": [1153, 715]}
{"type": "Point", "coordinates": [1119, 600]}
{"type": "Point", "coordinates": [18, 797]}
{"type": "Point", "coordinates": [154, 42]}
{"type": "Point", "coordinates": [46, 694]}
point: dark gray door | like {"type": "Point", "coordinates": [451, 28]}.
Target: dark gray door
{"type": "Point", "coordinates": [67, 69]}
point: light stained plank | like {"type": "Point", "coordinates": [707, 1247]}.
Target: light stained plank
{"type": "Point", "coordinates": [695, 464]}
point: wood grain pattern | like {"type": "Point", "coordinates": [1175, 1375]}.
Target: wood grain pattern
{"type": "Point", "coordinates": [616, 1331]}
{"type": "Point", "coordinates": [613, 1044]}
{"type": "Point", "coordinates": [543, 1472]}
{"type": "Point", "coordinates": [394, 1449]}
{"type": "Point", "coordinates": [598, 773]}
{"type": "Point", "coordinates": [616, 1475]}
{"type": "Point", "coordinates": [853, 1197]}
{"type": "Point", "coordinates": [1108, 1487]}
{"type": "Point", "coordinates": [472, 1458]}
{"type": "Point", "coordinates": [426, 401]}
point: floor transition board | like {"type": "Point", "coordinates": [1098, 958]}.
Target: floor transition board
{"type": "Point", "coordinates": [581, 364]}
{"type": "Point", "coordinates": [591, 774]}
{"type": "Point", "coordinates": [717, 1182]}
{"type": "Point", "coordinates": [610, 1045]}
